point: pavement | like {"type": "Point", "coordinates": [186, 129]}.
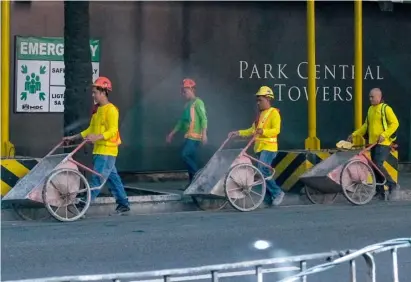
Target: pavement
{"type": "Point", "coordinates": [187, 239]}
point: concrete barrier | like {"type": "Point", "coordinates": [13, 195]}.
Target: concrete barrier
{"type": "Point", "coordinates": [13, 169]}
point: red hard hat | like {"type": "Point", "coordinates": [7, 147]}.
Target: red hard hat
{"type": "Point", "coordinates": [103, 82]}
{"type": "Point", "coordinates": [188, 82]}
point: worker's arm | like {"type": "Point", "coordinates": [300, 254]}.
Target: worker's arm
{"type": "Point", "coordinates": [247, 132]}
{"type": "Point", "coordinates": [362, 130]}
{"type": "Point", "coordinates": [392, 123]}
{"type": "Point", "coordinates": [85, 132]}
{"type": "Point", "coordinates": [112, 117]}
{"type": "Point", "coordinates": [275, 125]}
{"type": "Point", "coordinates": [178, 126]}
{"type": "Point", "coordinates": [202, 114]}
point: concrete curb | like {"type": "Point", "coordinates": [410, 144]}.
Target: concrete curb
{"type": "Point", "coordinates": [158, 204]}
{"type": "Point", "coordinates": [182, 175]}
{"type": "Point", "coordinates": [401, 195]}
{"type": "Point", "coordinates": [404, 167]}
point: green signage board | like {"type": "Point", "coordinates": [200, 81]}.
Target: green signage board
{"type": "Point", "coordinates": [40, 82]}
{"type": "Point", "coordinates": [49, 48]}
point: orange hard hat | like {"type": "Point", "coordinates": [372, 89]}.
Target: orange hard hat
{"type": "Point", "coordinates": [188, 82]}
{"type": "Point", "coordinates": [103, 82]}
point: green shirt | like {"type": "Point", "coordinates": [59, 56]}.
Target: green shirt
{"type": "Point", "coordinates": [193, 120]}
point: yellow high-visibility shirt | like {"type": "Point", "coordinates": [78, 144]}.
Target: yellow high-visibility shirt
{"type": "Point", "coordinates": [374, 125]}
{"type": "Point", "coordinates": [270, 122]}
{"type": "Point", "coordinates": [105, 122]}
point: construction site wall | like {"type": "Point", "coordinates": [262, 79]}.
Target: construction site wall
{"type": "Point", "coordinates": [230, 49]}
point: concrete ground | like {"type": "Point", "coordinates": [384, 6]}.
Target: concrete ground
{"type": "Point", "coordinates": [148, 242]}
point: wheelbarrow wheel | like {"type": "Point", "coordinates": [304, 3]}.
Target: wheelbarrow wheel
{"type": "Point", "coordinates": [206, 203]}
{"type": "Point", "coordinates": [28, 213]}
{"type": "Point", "coordinates": [245, 187]}
{"type": "Point", "coordinates": [319, 198]}
{"type": "Point", "coordinates": [358, 182]}
{"type": "Point", "coordinates": [66, 194]}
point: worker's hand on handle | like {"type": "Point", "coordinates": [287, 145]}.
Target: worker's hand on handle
{"type": "Point", "coordinates": [233, 134]}
{"type": "Point", "coordinates": [68, 139]}
{"type": "Point", "coordinates": [94, 137]}
{"type": "Point", "coordinates": [259, 131]}
{"type": "Point", "coordinates": [381, 139]}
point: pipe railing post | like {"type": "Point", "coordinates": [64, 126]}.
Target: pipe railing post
{"type": "Point", "coordinates": [312, 142]}
{"type": "Point", "coordinates": [358, 71]}
{"type": "Point", "coordinates": [7, 149]}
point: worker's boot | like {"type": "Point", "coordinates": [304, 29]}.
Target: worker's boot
{"type": "Point", "coordinates": [121, 210]}
{"type": "Point", "coordinates": [279, 199]}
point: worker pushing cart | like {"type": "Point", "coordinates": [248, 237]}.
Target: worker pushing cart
{"type": "Point", "coordinates": [57, 182]}
{"type": "Point", "coordinates": [380, 127]}
{"type": "Point", "coordinates": [104, 133]}
{"type": "Point", "coordinates": [267, 127]}
{"type": "Point", "coordinates": [350, 170]}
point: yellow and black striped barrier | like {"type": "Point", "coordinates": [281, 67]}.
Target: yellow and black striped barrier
{"type": "Point", "coordinates": [290, 165]}
{"type": "Point", "coordinates": [391, 165]}
{"type": "Point", "coordinates": [12, 170]}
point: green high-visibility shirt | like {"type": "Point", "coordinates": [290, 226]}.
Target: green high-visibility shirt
{"type": "Point", "coordinates": [193, 120]}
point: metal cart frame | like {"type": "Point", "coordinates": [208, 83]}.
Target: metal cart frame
{"type": "Point", "coordinates": [202, 200]}
{"type": "Point", "coordinates": [41, 178]}
{"type": "Point", "coordinates": [341, 175]}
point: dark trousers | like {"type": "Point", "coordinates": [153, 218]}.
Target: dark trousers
{"type": "Point", "coordinates": [189, 155]}
{"type": "Point", "coordinates": [379, 154]}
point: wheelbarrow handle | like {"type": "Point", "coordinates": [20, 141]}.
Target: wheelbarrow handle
{"type": "Point", "coordinates": [252, 140]}
{"type": "Point", "coordinates": [56, 147]}
{"type": "Point", "coordinates": [369, 147]}
{"type": "Point", "coordinates": [79, 146]}
{"type": "Point", "coordinates": [62, 143]}
{"type": "Point", "coordinates": [231, 136]}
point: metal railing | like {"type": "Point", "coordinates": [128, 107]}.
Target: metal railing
{"type": "Point", "coordinates": [368, 254]}
{"type": "Point", "coordinates": [255, 268]}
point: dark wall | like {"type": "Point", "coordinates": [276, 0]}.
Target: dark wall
{"type": "Point", "coordinates": [34, 134]}
{"type": "Point", "coordinates": [148, 47]}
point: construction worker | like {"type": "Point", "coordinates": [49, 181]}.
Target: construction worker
{"type": "Point", "coordinates": [266, 128]}
{"type": "Point", "coordinates": [104, 133]}
{"type": "Point", "coordinates": [380, 125]}
{"type": "Point", "coordinates": [193, 123]}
